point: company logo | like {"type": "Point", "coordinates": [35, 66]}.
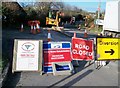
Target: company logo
{"type": "Point", "coordinates": [28, 46]}
{"type": "Point", "coordinates": [57, 46]}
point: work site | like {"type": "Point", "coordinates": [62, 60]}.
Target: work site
{"type": "Point", "coordinates": [60, 43]}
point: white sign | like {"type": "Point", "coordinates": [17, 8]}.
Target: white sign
{"type": "Point", "coordinates": [26, 55]}
{"type": "Point", "coordinates": [99, 22]}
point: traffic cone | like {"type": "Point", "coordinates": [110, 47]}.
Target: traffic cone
{"type": "Point", "coordinates": [49, 36]}
{"type": "Point", "coordinates": [74, 35]}
{"type": "Point", "coordinates": [21, 29]}
{"type": "Point", "coordinates": [38, 28]}
{"type": "Point", "coordinates": [85, 34]}
{"type": "Point", "coordinates": [34, 30]}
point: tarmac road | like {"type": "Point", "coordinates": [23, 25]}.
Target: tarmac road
{"type": "Point", "coordinates": [85, 74]}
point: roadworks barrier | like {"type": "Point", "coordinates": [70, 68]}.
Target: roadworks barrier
{"type": "Point", "coordinates": [62, 68]}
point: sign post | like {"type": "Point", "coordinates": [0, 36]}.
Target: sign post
{"type": "Point", "coordinates": [82, 49]}
{"type": "Point", "coordinates": [108, 48]}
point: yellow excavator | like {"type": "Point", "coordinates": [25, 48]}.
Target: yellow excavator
{"type": "Point", "coordinates": [53, 19]}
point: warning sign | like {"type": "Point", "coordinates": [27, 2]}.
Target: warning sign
{"type": "Point", "coordinates": [56, 52]}
{"type": "Point", "coordinates": [27, 56]}
{"type": "Point", "coordinates": [57, 55]}
{"type": "Point", "coordinates": [108, 48]}
{"type": "Point", "coordinates": [82, 49]}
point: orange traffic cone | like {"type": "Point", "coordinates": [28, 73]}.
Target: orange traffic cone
{"type": "Point", "coordinates": [74, 35]}
{"type": "Point", "coordinates": [34, 30]}
{"type": "Point", "coordinates": [31, 29]}
{"type": "Point", "coordinates": [21, 29]}
{"type": "Point", "coordinates": [85, 34]}
{"type": "Point", "coordinates": [49, 36]}
{"type": "Point", "coordinates": [38, 28]}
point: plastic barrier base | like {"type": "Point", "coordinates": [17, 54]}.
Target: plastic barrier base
{"type": "Point", "coordinates": [62, 68]}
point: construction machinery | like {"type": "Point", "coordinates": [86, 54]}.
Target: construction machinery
{"type": "Point", "coordinates": [53, 18]}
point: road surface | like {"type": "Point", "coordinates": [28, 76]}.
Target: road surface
{"type": "Point", "coordinates": [85, 74]}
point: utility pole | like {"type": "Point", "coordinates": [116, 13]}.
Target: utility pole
{"type": "Point", "coordinates": [99, 8]}
{"type": "Point", "coordinates": [99, 4]}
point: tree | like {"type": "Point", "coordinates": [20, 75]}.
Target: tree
{"type": "Point", "coordinates": [13, 13]}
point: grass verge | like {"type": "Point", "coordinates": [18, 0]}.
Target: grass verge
{"type": "Point", "coordinates": [96, 30]}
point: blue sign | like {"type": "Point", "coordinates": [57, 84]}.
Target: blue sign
{"type": "Point", "coordinates": [48, 69]}
{"type": "Point", "coordinates": [54, 45]}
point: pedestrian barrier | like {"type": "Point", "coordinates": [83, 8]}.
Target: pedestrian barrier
{"type": "Point", "coordinates": [35, 28]}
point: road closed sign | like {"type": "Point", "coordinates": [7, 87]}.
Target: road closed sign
{"type": "Point", "coordinates": [82, 49]}
{"type": "Point", "coordinates": [108, 48]}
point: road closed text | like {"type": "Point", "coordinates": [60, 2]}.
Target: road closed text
{"type": "Point", "coordinates": [82, 49]}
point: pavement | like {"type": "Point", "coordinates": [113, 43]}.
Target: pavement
{"type": "Point", "coordinates": [85, 75]}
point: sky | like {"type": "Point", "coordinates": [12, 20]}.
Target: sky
{"type": "Point", "coordinates": [88, 6]}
